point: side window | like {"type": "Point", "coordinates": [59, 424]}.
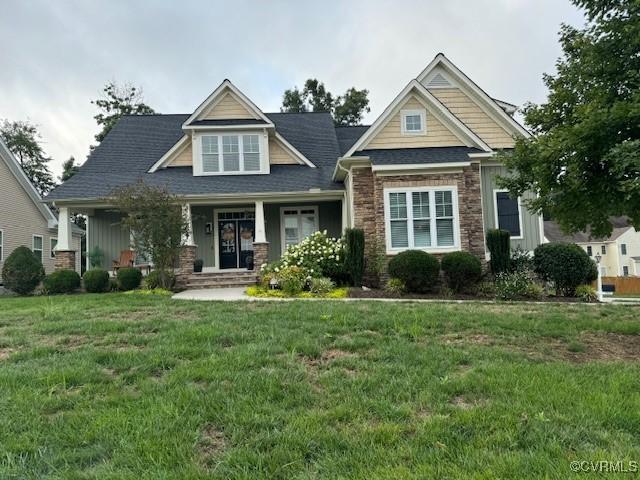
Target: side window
{"type": "Point", "coordinates": [508, 215]}
{"type": "Point", "coordinates": [623, 249]}
{"type": "Point", "coordinates": [37, 246]}
{"type": "Point", "coordinates": [589, 250]}
{"type": "Point", "coordinates": [604, 249]}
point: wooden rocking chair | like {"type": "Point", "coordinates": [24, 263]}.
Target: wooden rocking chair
{"type": "Point", "coordinates": [127, 259]}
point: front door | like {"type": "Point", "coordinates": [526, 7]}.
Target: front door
{"type": "Point", "coordinates": [235, 242]}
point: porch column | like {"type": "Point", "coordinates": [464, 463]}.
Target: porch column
{"type": "Point", "coordinates": [345, 213]}
{"type": "Point", "coordinates": [260, 244]}
{"type": "Point", "coordinates": [65, 255]}
{"type": "Point", "coordinates": [187, 251]}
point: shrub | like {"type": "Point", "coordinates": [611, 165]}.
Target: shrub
{"type": "Point", "coordinates": [266, 277]}
{"type": "Point", "coordinates": [499, 246]}
{"type": "Point", "coordinates": [566, 265]}
{"type": "Point", "coordinates": [292, 280]}
{"type": "Point", "coordinates": [129, 278]}
{"type": "Point", "coordinates": [513, 285]}
{"type": "Point", "coordinates": [462, 270]}
{"type": "Point", "coordinates": [318, 255]}
{"type": "Point", "coordinates": [586, 293]}
{"type": "Point", "coordinates": [113, 285]}
{"type": "Point", "coordinates": [354, 254]}
{"type": "Point", "coordinates": [61, 281]}
{"type": "Point", "coordinates": [22, 271]}
{"type": "Point", "coordinates": [153, 280]}
{"type": "Point", "coordinates": [486, 289]}
{"type": "Point", "coordinates": [96, 280]}
{"type": "Point", "coordinates": [521, 261]}
{"type": "Point", "coordinates": [321, 285]}
{"type": "Point", "coordinates": [395, 287]}
{"type": "Point", "coordinates": [417, 269]}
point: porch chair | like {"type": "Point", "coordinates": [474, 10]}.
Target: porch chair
{"type": "Point", "coordinates": [127, 259]}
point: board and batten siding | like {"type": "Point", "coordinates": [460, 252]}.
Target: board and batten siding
{"type": "Point", "coordinates": [200, 216]}
{"type": "Point", "coordinates": [530, 222]}
{"type": "Point", "coordinates": [391, 136]}
{"type": "Point", "coordinates": [106, 232]}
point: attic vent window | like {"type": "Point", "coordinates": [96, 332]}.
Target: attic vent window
{"type": "Point", "coordinates": [438, 81]}
{"type": "Point", "coordinates": [413, 122]}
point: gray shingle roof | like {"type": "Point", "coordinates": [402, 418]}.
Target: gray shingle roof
{"type": "Point", "coordinates": [137, 142]}
{"type": "Point", "coordinates": [399, 156]}
{"type": "Point", "coordinates": [347, 136]}
{"type": "Point", "coordinates": [554, 233]}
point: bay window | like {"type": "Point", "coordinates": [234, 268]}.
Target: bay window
{"type": "Point", "coordinates": [230, 153]}
{"type": "Point", "coordinates": [422, 218]}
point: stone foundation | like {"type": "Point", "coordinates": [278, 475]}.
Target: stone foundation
{"type": "Point", "coordinates": [65, 260]}
{"type": "Point", "coordinates": [185, 265]}
{"type": "Point", "coordinates": [260, 255]}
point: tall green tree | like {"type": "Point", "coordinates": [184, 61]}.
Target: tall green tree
{"type": "Point", "coordinates": [584, 157]}
{"type": "Point", "coordinates": [118, 101]}
{"type": "Point", "coordinates": [347, 109]}
{"type": "Point", "coordinates": [69, 169]}
{"type": "Point", "coordinates": [23, 140]}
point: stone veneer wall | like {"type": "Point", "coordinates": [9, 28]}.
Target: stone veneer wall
{"type": "Point", "coordinates": [65, 260]}
{"type": "Point", "coordinates": [368, 191]}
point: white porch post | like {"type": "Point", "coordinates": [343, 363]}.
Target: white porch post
{"type": "Point", "coordinates": [260, 233]}
{"type": "Point", "coordinates": [64, 229]}
{"type": "Point", "coordinates": [187, 239]}
{"type": "Point", "coordinates": [345, 214]}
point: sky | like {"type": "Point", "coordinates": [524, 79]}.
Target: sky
{"type": "Point", "coordinates": [56, 56]}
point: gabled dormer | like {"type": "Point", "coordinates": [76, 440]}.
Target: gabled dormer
{"type": "Point", "coordinates": [229, 135]}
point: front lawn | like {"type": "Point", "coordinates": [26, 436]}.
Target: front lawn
{"type": "Point", "coordinates": [145, 387]}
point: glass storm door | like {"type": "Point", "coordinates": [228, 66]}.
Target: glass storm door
{"type": "Point", "coordinates": [245, 240]}
{"type": "Point", "coordinates": [235, 242]}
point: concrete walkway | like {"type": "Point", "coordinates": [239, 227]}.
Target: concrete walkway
{"type": "Point", "coordinates": [209, 294]}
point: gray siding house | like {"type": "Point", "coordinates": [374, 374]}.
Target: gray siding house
{"type": "Point", "coordinates": [24, 219]}
{"type": "Point", "coordinates": [422, 176]}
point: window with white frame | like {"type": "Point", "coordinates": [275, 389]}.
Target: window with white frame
{"type": "Point", "coordinates": [589, 250]}
{"type": "Point", "coordinates": [623, 249]}
{"type": "Point", "coordinates": [625, 271]}
{"type": "Point", "coordinates": [508, 214]}
{"type": "Point", "coordinates": [230, 153]}
{"type": "Point", "coordinates": [37, 246]}
{"type": "Point", "coordinates": [297, 223]}
{"type": "Point", "coordinates": [53, 243]}
{"type": "Point", "coordinates": [423, 218]}
{"type": "Point", "coordinates": [413, 122]}
{"type": "Point", "coordinates": [603, 249]}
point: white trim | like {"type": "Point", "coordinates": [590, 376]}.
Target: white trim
{"type": "Point", "coordinates": [463, 132]}
{"type": "Point", "coordinates": [216, 236]}
{"type": "Point", "coordinates": [486, 103]}
{"type": "Point", "coordinates": [198, 166]}
{"type": "Point", "coordinates": [422, 113]}
{"type": "Point", "coordinates": [419, 166]}
{"type": "Point", "coordinates": [316, 214]}
{"type": "Point", "coordinates": [218, 92]}
{"type": "Point", "coordinates": [432, 218]}
{"type": "Point", "coordinates": [86, 247]}
{"type": "Point", "coordinates": [294, 151]}
{"type": "Point", "coordinates": [1, 244]}
{"type": "Point", "coordinates": [495, 212]}
{"type": "Point", "coordinates": [51, 248]}
{"type": "Point", "coordinates": [174, 151]}
{"type": "Point", "coordinates": [33, 245]}
{"type": "Point", "coordinates": [249, 126]}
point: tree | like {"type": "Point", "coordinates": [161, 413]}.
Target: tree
{"type": "Point", "coordinates": [69, 169]}
{"type": "Point", "coordinates": [584, 157]}
{"type": "Point", "coordinates": [118, 101]}
{"type": "Point", "coordinates": [23, 140]}
{"type": "Point", "coordinates": [347, 109]}
{"type": "Point", "coordinates": [154, 216]}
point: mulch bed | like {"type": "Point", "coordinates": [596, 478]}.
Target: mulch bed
{"type": "Point", "coordinates": [380, 293]}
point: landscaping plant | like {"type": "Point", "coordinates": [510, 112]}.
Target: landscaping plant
{"type": "Point", "coordinates": [515, 285]}
{"type": "Point", "coordinates": [152, 280]}
{"type": "Point", "coordinates": [61, 281]}
{"type": "Point", "coordinates": [321, 285]}
{"type": "Point", "coordinates": [354, 254]}
{"type": "Point", "coordinates": [462, 270]}
{"type": "Point", "coordinates": [129, 278]}
{"type": "Point", "coordinates": [96, 257]}
{"type": "Point", "coordinates": [499, 246]}
{"type": "Point", "coordinates": [292, 279]}
{"type": "Point", "coordinates": [587, 293]}
{"type": "Point", "coordinates": [566, 265]}
{"type": "Point", "coordinates": [395, 287]}
{"type": "Point", "coordinates": [22, 271]}
{"type": "Point", "coordinates": [96, 280]}
{"type": "Point", "coordinates": [417, 269]}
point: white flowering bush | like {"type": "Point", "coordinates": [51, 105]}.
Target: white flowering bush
{"type": "Point", "coordinates": [318, 255]}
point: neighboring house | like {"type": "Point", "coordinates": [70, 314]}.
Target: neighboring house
{"type": "Point", "coordinates": [24, 219]}
{"type": "Point", "coordinates": [423, 176]}
{"type": "Point", "coordinates": [619, 252]}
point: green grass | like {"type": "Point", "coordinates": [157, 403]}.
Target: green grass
{"type": "Point", "coordinates": [122, 386]}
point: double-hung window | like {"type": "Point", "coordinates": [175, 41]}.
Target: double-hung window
{"type": "Point", "coordinates": [423, 218]}
{"type": "Point", "coordinates": [37, 246]}
{"type": "Point", "coordinates": [413, 122]}
{"type": "Point", "coordinates": [623, 249]}
{"type": "Point", "coordinates": [230, 153]}
{"type": "Point", "coordinates": [508, 214]}
{"type": "Point", "coordinates": [297, 223]}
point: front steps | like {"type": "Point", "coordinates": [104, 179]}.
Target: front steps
{"type": "Point", "coordinates": [221, 279]}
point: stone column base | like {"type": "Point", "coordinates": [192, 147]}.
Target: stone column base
{"type": "Point", "coordinates": [65, 260]}
{"type": "Point", "coordinates": [185, 265]}
{"type": "Point", "coordinates": [260, 255]}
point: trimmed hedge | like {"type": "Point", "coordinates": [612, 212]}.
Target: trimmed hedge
{"type": "Point", "coordinates": [566, 265]}
{"type": "Point", "coordinates": [417, 269]}
{"type": "Point", "coordinates": [22, 271]}
{"type": "Point", "coordinates": [354, 255]}
{"type": "Point", "coordinates": [62, 281]}
{"type": "Point", "coordinates": [96, 280]}
{"type": "Point", "coordinates": [129, 278]}
{"type": "Point", "coordinates": [499, 246]}
{"type": "Point", "coordinates": [462, 270]}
